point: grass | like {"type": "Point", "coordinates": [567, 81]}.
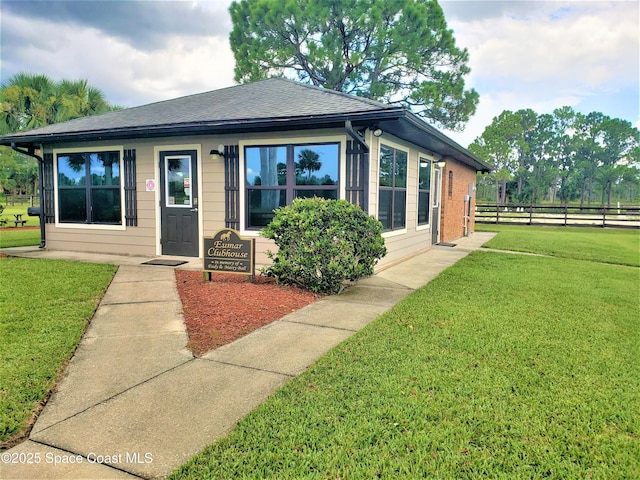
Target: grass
{"type": "Point", "coordinates": [505, 366]}
{"type": "Point", "coordinates": [45, 306]}
{"type": "Point", "coordinates": [618, 246]}
{"type": "Point", "coordinates": [9, 212]}
{"type": "Point", "coordinates": [18, 236]}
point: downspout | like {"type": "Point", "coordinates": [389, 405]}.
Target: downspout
{"type": "Point", "coordinates": [31, 153]}
{"type": "Point", "coordinates": [352, 133]}
{"type": "Point", "coordinates": [365, 148]}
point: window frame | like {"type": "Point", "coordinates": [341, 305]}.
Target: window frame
{"type": "Point", "coordinates": [88, 187]}
{"type": "Point", "coordinates": [431, 161]}
{"type": "Point", "coordinates": [290, 187]}
{"type": "Point", "coordinates": [393, 188]}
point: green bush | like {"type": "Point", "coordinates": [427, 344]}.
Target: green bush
{"type": "Point", "coordinates": [322, 243]}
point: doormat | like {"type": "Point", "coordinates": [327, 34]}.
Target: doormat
{"type": "Point", "coordinates": [164, 262]}
{"type": "Point", "coordinates": [447, 244]}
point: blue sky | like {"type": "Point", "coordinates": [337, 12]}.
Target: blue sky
{"type": "Point", "coordinates": [523, 54]}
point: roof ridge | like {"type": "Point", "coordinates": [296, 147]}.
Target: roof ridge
{"type": "Point", "coordinates": [330, 91]}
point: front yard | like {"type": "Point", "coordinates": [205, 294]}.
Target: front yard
{"type": "Point", "coordinates": [505, 366]}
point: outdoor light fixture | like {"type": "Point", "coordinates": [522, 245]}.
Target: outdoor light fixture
{"type": "Point", "coordinates": [377, 132]}
{"type": "Point", "coordinates": [217, 154]}
{"type": "Point", "coordinates": [441, 164]}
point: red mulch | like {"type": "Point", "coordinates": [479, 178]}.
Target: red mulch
{"type": "Point", "coordinates": [228, 307]}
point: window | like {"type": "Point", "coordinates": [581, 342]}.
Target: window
{"type": "Point", "coordinates": [424, 191]}
{"type": "Point", "coordinates": [275, 175]}
{"type": "Point", "coordinates": [177, 176]}
{"type": "Point", "coordinates": [89, 188]}
{"type": "Point", "coordinates": [392, 196]}
{"type": "Point", "coordinates": [450, 184]}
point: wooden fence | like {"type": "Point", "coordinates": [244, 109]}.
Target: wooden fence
{"type": "Point", "coordinates": [620, 217]}
{"type": "Point", "coordinates": [31, 200]}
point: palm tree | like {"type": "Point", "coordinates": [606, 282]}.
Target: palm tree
{"type": "Point", "coordinates": [310, 161]}
{"type": "Point", "coordinates": [28, 101]}
{"type": "Point", "coordinates": [81, 100]}
{"type": "Point", "coordinates": [31, 100]}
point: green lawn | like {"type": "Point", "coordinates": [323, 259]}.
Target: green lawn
{"type": "Point", "coordinates": [505, 366]}
{"type": "Point", "coordinates": [11, 236]}
{"type": "Point", "coordinates": [9, 211]}
{"type": "Point", "coordinates": [45, 306]}
{"type": "Point", "coordinates": [620, 246]}
{"type": "Point", "coordinates": [19, 237]}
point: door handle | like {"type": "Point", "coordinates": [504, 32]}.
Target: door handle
{"type": "Point", "coordinates": [194, 209]}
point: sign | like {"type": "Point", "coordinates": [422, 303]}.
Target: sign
{"type": "Point", "coordinates": [227, 252]}
{"type": "Point", "coordinates": [151, 185]}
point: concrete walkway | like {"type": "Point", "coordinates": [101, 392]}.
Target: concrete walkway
{"type": "Point", "coordinates": [134, 403]}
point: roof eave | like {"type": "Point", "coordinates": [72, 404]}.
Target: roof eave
{"type": "Point", "coordinates": [452, 148]}
{"type": "Point", "coordinates": [409, 126]}
{"type": "Point", "coordinates": [207, 127]}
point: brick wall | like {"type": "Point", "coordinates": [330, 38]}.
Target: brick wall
{"type": "Point", "coordinates": [456, 178]}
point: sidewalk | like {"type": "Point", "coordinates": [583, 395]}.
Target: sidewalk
{"type": "Point", "coordinates": [134, 403]}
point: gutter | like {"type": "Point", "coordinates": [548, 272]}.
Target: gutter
{"type": "Point", "coordinates": [200, 127]}
{"type": "Point", "coordinates": [481, 165]}
{"type": "Point", "coordinates": [31, 153]}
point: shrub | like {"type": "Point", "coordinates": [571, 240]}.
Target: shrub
{"type": "Point", "coordinates": [322, 243]}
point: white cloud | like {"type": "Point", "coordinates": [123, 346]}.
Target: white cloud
{"type": "Point", "coordinates": [126, 75]}
{"type": "Point", "coordinates": [180, 70]}
{"type": "Point", "coordinates": [590, 43]}
{"type": "Point", "coordinates": [544, 55]}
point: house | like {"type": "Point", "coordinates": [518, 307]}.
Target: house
{"type": "Point", "coordinates": [154, 180]}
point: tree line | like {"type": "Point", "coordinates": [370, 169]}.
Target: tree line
{"type": "Point", "coordinates": [31, 101]}
{"type": "Point", "coordinates": [395, 52]}
{"type": "Point", "coordinates": [564, 157]}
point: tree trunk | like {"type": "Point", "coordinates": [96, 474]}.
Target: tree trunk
{"type": "Point", "coordinates": [269, 176]}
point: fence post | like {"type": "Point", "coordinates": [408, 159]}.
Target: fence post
{"type": "Point", "coordinates": [604, 217]}
{"type": "Point", "coordinates": [530, 213]}
{"type": "Point", "coordinates": [497, 214]}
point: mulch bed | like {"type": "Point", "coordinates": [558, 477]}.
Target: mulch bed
{"type": "Point", "coordinates": [229, 307]}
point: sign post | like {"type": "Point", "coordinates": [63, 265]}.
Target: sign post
{"type": "Point", "coordinates": [227, 252]}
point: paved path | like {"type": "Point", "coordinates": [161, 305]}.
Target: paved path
{"type": "Point", "coordinates": [134, 403]}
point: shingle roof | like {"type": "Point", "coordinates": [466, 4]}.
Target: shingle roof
{"type": "Point", "coordinates": [268, 99]}
{"type": "Point", "coordinates": [273, 104]}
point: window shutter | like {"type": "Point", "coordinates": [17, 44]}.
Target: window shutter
{"type": "Point", "coordinates": [357, 175]}
{"type": "Point", "coordinates": [232, 186]}
{"type": "Point", "coordinates": [130, 194]}
{"type": "Point", "coordinates": [48, 202]}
